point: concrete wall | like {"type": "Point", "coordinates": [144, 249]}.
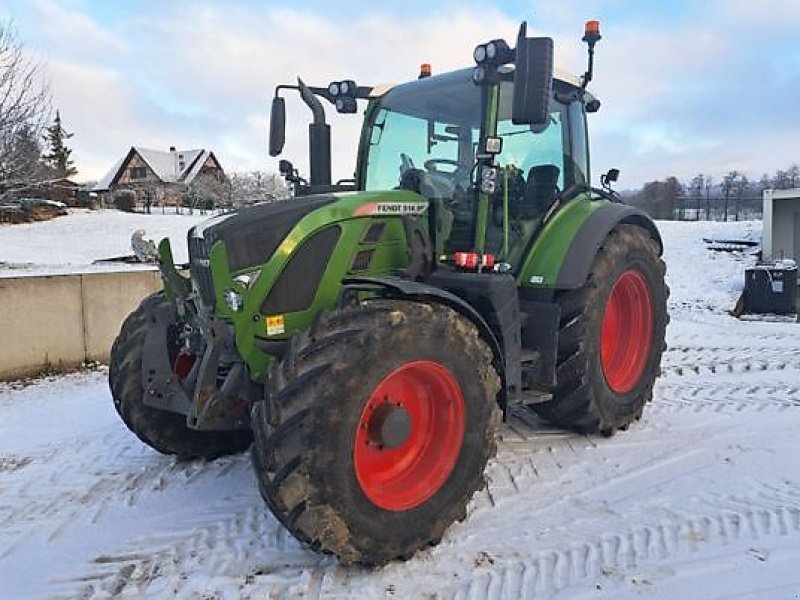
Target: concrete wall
{"type": "Point", "coordinates": [63, 320]}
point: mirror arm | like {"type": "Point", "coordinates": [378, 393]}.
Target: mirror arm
{"type": "Point", "coordinates": [312, 102]}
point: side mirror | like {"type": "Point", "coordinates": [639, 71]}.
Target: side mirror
{"type": "Point", "coordinates": [277, 126]}
{"type": "Point", "coordinates": [285, 167]}
{"type": "Point", "coordinates": [533, 79]}
{"type": "Point", "coordinates": [608, 178]}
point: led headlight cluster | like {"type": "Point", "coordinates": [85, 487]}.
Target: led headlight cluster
{"type": "Point", "coordinates": [343, 94]}
{"type": "Point", "coordinates": [488, 57]}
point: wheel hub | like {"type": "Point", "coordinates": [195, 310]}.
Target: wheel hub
{"type": "Point", "coordinates": [389, 426]}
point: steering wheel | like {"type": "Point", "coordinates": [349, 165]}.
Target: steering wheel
{"type": "Point", "coordinates": [432, 163]}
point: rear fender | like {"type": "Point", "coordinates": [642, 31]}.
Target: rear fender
{"type": "Point", "coordinates": [586, 243]}
{"type": "Point", "coordinates": [560, 255]}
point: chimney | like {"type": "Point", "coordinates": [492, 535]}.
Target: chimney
{"type": "Point", "coordinates": [174, 162]}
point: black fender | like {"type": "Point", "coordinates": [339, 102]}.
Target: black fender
{"type": "Point", "coordinates": [578, 260]}
{"type": "Point", "coordinates": [397, 287]}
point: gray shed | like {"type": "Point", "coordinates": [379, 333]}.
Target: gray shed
{"type": "Point", "coordinates": [782, 224]}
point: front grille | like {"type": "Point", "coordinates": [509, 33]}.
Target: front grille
{"type": "Point", "coordinates": [200, 269]}
{"type": "Point", "coordinates": [297, 285]}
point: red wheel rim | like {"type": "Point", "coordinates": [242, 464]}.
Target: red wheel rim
{"type": "Point", "coordinates": [401, 466]}
{"type": "Point", "coordinates": [627, 332]}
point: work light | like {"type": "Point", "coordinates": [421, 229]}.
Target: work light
{"type": "Point", "coordinates": [479, 74]}
{"type": "Point", "coordinates": [343, 95]}
{"type": "Point", "coordinates": [494, 53]}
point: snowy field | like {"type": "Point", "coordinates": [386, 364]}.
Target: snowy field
{"type": "Point", "coordinates": [699, 500]}
{"type": "Point", "coordinates": [71, 244]}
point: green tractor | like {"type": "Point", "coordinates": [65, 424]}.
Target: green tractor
{"type": "Point", "coordinates": [368, 336]}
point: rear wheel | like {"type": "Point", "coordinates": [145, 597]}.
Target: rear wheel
{"type": "Point", "coordinates": [376, 429]}
{"type": "Point", "coordinates": [162, 430]}
{"type": "Point", "coordinates": [611, 337]}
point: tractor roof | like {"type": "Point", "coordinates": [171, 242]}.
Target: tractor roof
{"type": "Point", "coordinates": [559, 74]}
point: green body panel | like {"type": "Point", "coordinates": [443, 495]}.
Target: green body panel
{"type": "Point", "coordinates": [540, 267]}
{"type": "Point", "coordinates": [493, 97]}
{"type": "Point", "coordinates": [389, 256]}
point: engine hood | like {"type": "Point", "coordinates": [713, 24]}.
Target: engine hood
{"type": "Point", "coordinates": [252, 233]}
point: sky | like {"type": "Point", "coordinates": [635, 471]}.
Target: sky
{"type": "Point", "coordinates": [686, 86]}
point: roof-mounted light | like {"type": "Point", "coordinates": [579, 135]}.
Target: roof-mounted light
{"type": "Point", "coordinates": [592, 32]}
{"type": "Point", "coordinates": [494, 53]}
{"type": "Point", "coordinates": [498, 52]}
{"type": "Point", "coordinates": [343, 95]}
{"type": "Point", "coordinates": [591, 36]}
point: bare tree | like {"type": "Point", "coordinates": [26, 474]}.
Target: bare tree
{"type": "Point", "coordinates": [728, 185]}
{"type": "Point", "coordinates": [24, 109]}
{"type": "Point", "coordinates": [696, 187]}
{"type": "Point", "coordinates": [257, 186]}
{"type": "Point", "coordinates": [207, 191]}
{"type": "Point", "coordinates": [793, 176]}
{"type": "Point", "coordinates": [709, 185]}
{"type": "Point", "coordinates": [741, 188]}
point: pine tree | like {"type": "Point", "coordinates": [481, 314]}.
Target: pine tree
{"type": "Point", "coordinates": [58, 158]}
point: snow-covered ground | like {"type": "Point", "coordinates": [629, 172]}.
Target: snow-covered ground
{"type": "Point", "coordinates": [70, 244]}
{"type": "Point", "coordinates": [700, 499]}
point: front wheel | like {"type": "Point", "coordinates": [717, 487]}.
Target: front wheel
{"type": "Point", "coordinates": [376, 429]}
{"type": "Point", "coordinates": [162, 430]}
{"type": "Point", "coordinates": [611, 337]}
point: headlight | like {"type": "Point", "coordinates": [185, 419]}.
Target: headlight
{"type": "Point", "coordinates": [491, 50]}
{"type": "Point", "coordinates": [233, 300]}
{"type": "Point", "coordinates": [479, 54]}
{"type": "Point", "coordinates": [333, 89]}
{"type": "Point", "coordinates": [244, 280]}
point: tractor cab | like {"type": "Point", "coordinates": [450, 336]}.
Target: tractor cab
{"type": "Point", "coordinates": [425, 136]}
{"type": "Point", "coordinates": [493, 149]}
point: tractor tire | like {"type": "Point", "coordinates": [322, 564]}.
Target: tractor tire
{"type": "Point", "coordinates": [376, 428]}
{"type": "Point", "coordinates": [162, 430]}
{"type": "Point", "coordinates": [611, 337]}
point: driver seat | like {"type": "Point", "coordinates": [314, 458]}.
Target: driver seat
{"type": "Point", "coordinates": [541, 190]}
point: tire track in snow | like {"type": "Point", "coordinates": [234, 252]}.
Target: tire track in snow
{"type": "Point", "coordinates": [699, 365]}
{"type": "Point", "coordinates": [301, 574]}
{"type": "Point", "coordinates": [219, 539]}
{"type": "Point", "coordinates": [53, 493]}
{"type": "Point", "coordinates": [738, 395]}
{"type": "Point", "coordinates": [552, 571]}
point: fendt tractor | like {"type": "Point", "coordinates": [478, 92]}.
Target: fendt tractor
{"type": "Point", "coordinates": [368, 336]}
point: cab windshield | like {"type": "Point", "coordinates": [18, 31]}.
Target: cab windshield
{"type": "Point", "coordinates": [426, 132]}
